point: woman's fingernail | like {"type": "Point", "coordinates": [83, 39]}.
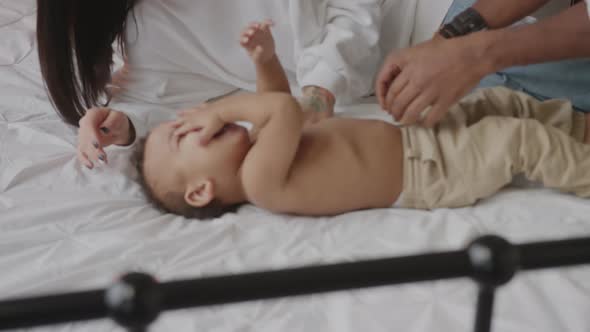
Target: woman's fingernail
{"type": "Point", "coordinates": [105, 130]}
{"type": "Point", "coordinates": [102, 157]}
{"type": "Point", "coordinates": [95, 144]}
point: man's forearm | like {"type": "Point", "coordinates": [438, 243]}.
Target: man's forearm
{"type": "Point", "coordinates": [502, 13]}
{"type": "Point", "coordinates": [270, 76]}
{"type": "Point", "coordinates": [561, 37]}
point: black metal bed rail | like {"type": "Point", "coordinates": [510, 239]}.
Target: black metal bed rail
{"type": "Point", "coordinates": [137, 299]}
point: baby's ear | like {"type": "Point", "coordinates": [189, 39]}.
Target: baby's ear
{"type": "Point", "coordinates": [200, 193]}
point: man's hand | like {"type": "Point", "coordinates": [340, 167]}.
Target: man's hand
{"type": "Point", "coordinates": [434, 74]}
{"type": "Point", "coordinates": [99, 128]}
{"type": "Point", "coordinates": [204, 119]}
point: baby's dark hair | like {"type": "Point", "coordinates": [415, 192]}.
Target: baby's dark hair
{"type": "Point", "coordinates": [173, 202]}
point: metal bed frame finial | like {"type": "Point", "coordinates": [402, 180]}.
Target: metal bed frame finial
{"type": "Point", "coordinates": [134, 302]}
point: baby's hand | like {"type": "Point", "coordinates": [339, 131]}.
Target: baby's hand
{"type": "Point", "coordinates": [258, 41]}
{"type": "Point", "coordinates": [203, 119]}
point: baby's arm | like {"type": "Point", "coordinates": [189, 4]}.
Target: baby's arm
{"type": "Point", "coordinates": [258, 41]}
{"type": "Point", "coordinates": [279, 121]}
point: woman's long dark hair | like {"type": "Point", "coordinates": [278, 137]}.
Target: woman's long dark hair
{"type": "Point", "coordinates": [75, 40]}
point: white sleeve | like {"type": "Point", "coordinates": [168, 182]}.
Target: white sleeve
{"type": "Point", "coordinates": [588, 7]}
{"type": "Point", "coordinates": [337, 45]}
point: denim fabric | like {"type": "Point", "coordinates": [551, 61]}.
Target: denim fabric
{"type": "Point", "coordinates": [563, 79]}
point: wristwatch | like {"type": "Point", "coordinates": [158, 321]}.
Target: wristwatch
{"type": "Point", "coordinates": [465, 23]}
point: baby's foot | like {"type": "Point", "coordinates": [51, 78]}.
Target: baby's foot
{"type": "Point", "coordinates": [257, 39]}
{"type": "Point", "coordinates": [587, 133]}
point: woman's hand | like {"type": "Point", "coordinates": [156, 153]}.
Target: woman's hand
{"type": "Point", "coordinates": [99, 128]}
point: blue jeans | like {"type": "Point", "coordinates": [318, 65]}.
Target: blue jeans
{"type": "Point", "coordinates": [562, 79]}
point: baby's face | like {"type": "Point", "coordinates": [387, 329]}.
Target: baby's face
{"type": "Point", "coordinates": [172, 162]}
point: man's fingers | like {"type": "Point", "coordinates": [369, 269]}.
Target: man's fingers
{"type": "Point", "coordinates": [416, 109]}
{"type": "Point", "coordinates": [405, 98]}
{"type": "Point", "coordinates": [386, 76]}
{"type": "Point", "coordinates": [395, 89]}
{"type": "Point", "coordinates": [382, 86]}
{"type": "Point", "coordinates": [436, 114]}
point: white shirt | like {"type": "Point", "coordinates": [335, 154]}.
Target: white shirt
{"type": "Point", "coordinates": [330, 43]}
{"type": "Point", "coordinates": [187, 51]}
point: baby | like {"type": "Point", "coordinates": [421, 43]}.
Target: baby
{"type": "Point", "coordinates": [203, 164]}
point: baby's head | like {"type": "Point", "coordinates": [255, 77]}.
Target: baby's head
{"type": "Point", "coordinates": [181, 176]}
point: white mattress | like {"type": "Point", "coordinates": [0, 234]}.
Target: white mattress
{"type": "Point", "coordinates": [65, 228]}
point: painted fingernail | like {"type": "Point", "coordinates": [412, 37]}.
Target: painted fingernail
{"type": "Point", "coordinates": [102, 157]}
{"type": "Point", "coordinates": [105, 130]}
{"type": "Point", "coordinates": [95, 144]}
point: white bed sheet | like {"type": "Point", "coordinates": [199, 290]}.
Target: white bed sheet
{"type": "Point", "coordinates": [65, 228]}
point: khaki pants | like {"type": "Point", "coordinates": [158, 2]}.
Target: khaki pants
{"type": "Point", "coordinates": [485, 140]}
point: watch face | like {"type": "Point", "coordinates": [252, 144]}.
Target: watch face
{"type": "Point", "coordinates": [465, 23]}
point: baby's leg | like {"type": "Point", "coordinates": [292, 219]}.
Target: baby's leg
{"type": "Point", "coordinates": [488, 138]}
{"type": "Point", "coordinates": [502, 101]}
{"type": "Point", "coordinates": [501, 147]}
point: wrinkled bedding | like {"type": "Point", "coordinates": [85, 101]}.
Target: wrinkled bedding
{"type": "Point", "coordinates": [63, 228]}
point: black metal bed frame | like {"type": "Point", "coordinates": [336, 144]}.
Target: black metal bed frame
{"type": "Point", "coordinates": [136, 300]}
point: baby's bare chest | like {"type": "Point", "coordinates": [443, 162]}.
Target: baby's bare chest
{"type": "Point", "coordinates": [346, 164]}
